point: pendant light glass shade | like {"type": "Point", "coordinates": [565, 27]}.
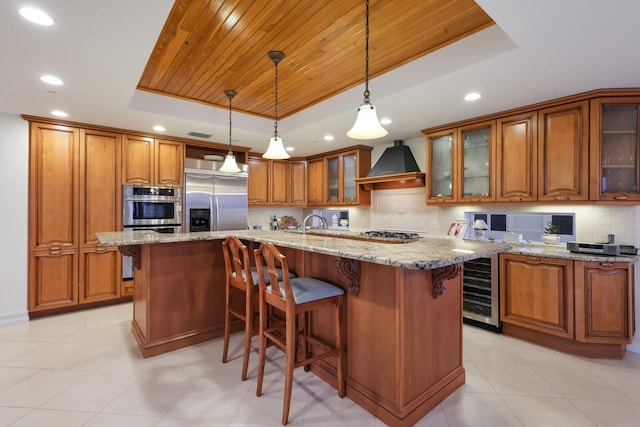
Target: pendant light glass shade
{"type": "Point", "coordinates": [230, 164]}
{"type": "Point", "coordinates": [367, 125]}
{"type": "Point", "coordinates": [276, 149]}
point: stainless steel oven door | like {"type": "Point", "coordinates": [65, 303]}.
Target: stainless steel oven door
{"type": "Point", "coordinates": [127, 261]}
{"type": "Point", "coordinates": [151, 206]}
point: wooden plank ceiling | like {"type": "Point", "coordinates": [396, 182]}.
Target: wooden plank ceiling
{"type": "Point", "coordinates": [207, 46]}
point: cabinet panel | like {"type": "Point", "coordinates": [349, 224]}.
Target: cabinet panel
{"type": "Point", "coordinates": [169, 163]}
{"type": "Point", "coordinates": [333, 180]}
{"type": "Point", "coordinates": [137, 160]}
{"type": "Point", "coordinates": [615, 144]}
{"type": "Point", "coordinates": [279, 184]}
{"type": "Point", "coordinates": [258, 181]}
{"type": "Point", "coordinates": [53, 279]}
{"type": "Point", "coordinates": [537, 293]}
{"type": "Point", "coordinates": [53, 187]}
{"type": "Point", "coordinates": [298, 182]}
{"type": "Point", "coordinates": [315, 182]}
{"type": "Point", "coordinates": [476, 163]}
{"type": "Point", "coordinates": [604, 302]}
{"type": "Point", "coordinates": [100, 189]}
{"type": "Point", "coordinates": [100, 274]}
{"type": "Point", "coordinates": [442, 174]}
{"type": "Point", "coordinates": [563, 164]}
{"type": "Point", "coordinates": [516, 159]}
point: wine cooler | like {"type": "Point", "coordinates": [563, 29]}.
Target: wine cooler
{"type": "Point", "coordinates": [480, 294]}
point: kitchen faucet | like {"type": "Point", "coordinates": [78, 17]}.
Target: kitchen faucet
{"type": "Point", "coordinates": [304, 223]}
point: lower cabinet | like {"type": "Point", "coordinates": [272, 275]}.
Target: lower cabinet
{"type": "Point", "coordinates": [604, 302]}
{"type": "Point", "coordinates": [537, 293]}
{"type": "Point", "coordinates": [581, 307]}
{"type": "Point", "coordinates": [53, 278]}
{"type": "Point", "coordinates": [98, 274]}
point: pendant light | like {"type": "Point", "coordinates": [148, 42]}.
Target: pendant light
{"type": "Point", "coordinates": [367, 125]}
{"type": "Point", "coordinates": [276, 148]}
{"type": "Point", "coordinates": [230, 164]}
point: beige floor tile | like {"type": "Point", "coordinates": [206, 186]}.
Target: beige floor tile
{"type": "Point", "coordinates": [9, 415]}
{"type": "Point", "coordinates": [516, 379]}
{"type": "Point", "coordinates": [49, 418]}
{"type": "Point", "coordinates": [477, 410]}
{"type": "Point", "coordinates": [435, 418]}
{"type": "Point", "coordinates": [489, 351]}
{"type": "Point", "coordinates": [12, 376]}
{"type": "Point", "coordinates": [536, 411]}
{"type": "Point", "coordinates": [475, 382]}
{"type": "Point", "coordinates": [92, 393]}
{"type": "Point", "coordinates": [10, 350]}
{"type": "Point", "coordinates": [610, 414]}
{"type": "Point", "coordinates": [46, 355]}
{"type": "Point", "coordinates": [40, 387]}
{"type": "Point", "coordinates": [117, 420]}
{"type": "Point", "coordinates": [184, 422]}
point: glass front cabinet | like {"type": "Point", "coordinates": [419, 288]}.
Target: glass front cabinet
{"type": "Point", "coordinates": [341, 170]}
{"type": "Point", "coordinates": [460, 164]}
{"type": "Point", "coordinates": [614, 149]}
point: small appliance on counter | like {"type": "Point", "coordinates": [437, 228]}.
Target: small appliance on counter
{"type": "Point", "coordinates": [594, 248]}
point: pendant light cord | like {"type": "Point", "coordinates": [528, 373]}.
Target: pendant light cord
{"type": "Point", "coordinates": [275, 123]}
{"type": "Point", "coordinates": [366, 55]}
{"type": "Point", "coordinates": [230, 94]}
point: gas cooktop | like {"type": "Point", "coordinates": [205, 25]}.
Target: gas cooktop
{"type": "Point", "coordinates": [392, 236]}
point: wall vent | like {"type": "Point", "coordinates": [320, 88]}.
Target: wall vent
{"type": "Point", "coordinates": [199, 134]}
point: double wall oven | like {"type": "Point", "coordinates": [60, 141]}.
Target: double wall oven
{"type": "Point", "coordinates": [150, 208]}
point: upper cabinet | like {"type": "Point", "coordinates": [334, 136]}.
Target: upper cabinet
{"type": "Point", "coordinates": [461, 164]}
{"type": "Point", "coordinates": [614, 149]}
{"type": "Point", "coordinates": [563, 152]}
{"type": "Point", "coordinates": [298, 182]}
{"type": "Point", "coordinates": [268, 182]}
{"type": "Point", "coordinates": [441, 173]}
{"type": "Point", "coordinates": [335, 182]}
{"type": "Point", "coordinates": [516, 160]}
{"type": "Point", "coordinates": [150, 161]}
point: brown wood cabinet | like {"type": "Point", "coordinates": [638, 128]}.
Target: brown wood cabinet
{"type": "Point", "coordinates": [74, 192]}
{"type": "Point", "coordinates": [537, 293]}
{"type": "Point", "coordinates": [517, 158]}
{"type": "Point", "coordinates": [315, 182]}
{"type": "Point", "coordinates": [461, 164]}
{"type": "Point", "coordinates": [604, 302]}
{"type": "Point", "coordinates": [150, 161]}
{"type": "Point", "coordinates": [339, 173]}
{"type": "Point", "coordinates": [563, 152]}
{"type": "Point", "coordinates": [268, 182]}
{"type": "Point", "coordinates": [580, 307]}
{"type": "Point", "coordinates": [615, 149]}
{"type": "Point", "coordinates": [298, 183]}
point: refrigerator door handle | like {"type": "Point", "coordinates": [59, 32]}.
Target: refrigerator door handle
{"type": "Point", "coordinates": [217, 215]}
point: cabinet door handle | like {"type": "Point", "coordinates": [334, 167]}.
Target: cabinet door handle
{"type": "Point", "coordinates": [516, 199]}
{"type": "Point", "coordinates": [476, 199]}
{"type": "Point", "coordinates": [533, 258]}
{"type": "Point", "coordinates": [619, 197]}
{"type": "Point", "coordinates": [55, 250]}
{"type": "Point", "coordinates": [606, 264]}
{"type": "Point", "coordinates": [101, 248]}
{"type": "Point", "coordinates": [561, 198]}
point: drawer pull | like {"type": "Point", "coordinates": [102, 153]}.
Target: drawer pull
{"type": "Point", "coordinates": [619, 197]}
{"type": "Point", "coordinates": [55, 250]}
{"type": "Point", "coordinates": [561, 198]}
{"type": "Point", "coordinates": [606, 264]}
{"type": "Point", "coordinates": [533, 258]}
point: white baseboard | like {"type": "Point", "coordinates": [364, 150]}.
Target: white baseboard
{"type": "Point", "coordinates": [14, 318]}
{"type": "Point", "coordinates": [634, 347]}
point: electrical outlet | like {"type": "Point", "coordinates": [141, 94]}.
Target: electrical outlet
{"type": "Point", "coordinates": [434, 226]}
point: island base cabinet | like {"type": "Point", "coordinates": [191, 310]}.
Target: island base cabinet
{"type": "Point", "coordinates": [178, 298]}
{"type": "Point", "coordinates": [404, 353]}
{"type": "Point", "coordinates": [604, 302]}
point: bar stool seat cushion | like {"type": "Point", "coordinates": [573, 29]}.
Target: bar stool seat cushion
{"type": "Point", "coordinates": [306, 289]}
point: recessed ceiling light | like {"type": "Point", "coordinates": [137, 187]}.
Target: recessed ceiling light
{"type": "Point", "coordinates": [385, 121]}
{"type": "Point", "coordinates": [159, 128]}
{"type": "Point", "coordinates": [59, 113]}
{"type": "Point", "coordinates": [328, 137]}
{"type": "Point", "coordinates": [290, 149]}
{"type": "Point", "coordinates": [52, 80]}
{"type": "Point", "coordinates": [472, 96]}
{"type": "Point", "coordinates": [36, 16]}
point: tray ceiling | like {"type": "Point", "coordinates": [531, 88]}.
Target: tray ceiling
{"type": "Point", "coordinates": [208, 46]}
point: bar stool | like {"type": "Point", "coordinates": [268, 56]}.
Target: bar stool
{"type": "Point", "coordinates": [294, 296]}
{"type": "Point", "coordinates": [240, 275]}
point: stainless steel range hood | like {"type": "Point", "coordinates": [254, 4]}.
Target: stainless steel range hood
{"type": "Point", "coordinates": [396, 168]}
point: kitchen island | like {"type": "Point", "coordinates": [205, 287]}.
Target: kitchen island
{"type": "Point", "coordinates": [403, 311]}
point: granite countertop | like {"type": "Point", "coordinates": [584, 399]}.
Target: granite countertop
{"type": "Point", "coordinates": [561, 251]}
{"type": "Point", "coordinates": [421, 254]}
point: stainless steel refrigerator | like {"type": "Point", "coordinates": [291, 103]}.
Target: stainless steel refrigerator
{"type": "Point", "coordinates": [214, 200]}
